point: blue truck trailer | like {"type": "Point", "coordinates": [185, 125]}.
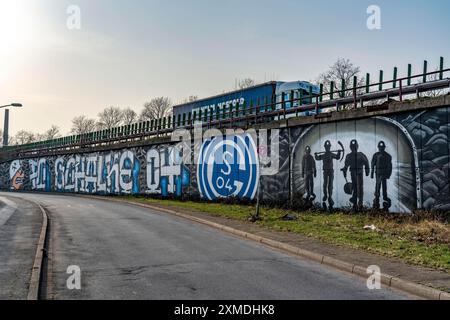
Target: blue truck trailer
{"type": "Point", "coordinates": [267, 93]}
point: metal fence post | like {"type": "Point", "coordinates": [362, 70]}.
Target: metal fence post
{"type": "Point", "coordinates": [331, 90]}
{"type": "Point", "coordinates": [409, 74]}
{"type": "Point", "coordinates": [367, 82]}
{"type": "Point", "coordinates": [401, 91]}
{"type": "Point", "coordinates": [380, 85]}
{"type": "Point", "coordinates": [317, 105]}
{"type": "Point", "coordinates": [394, 85]}
{"type": "Point", "coordinates": [425, 69]}
{"type": "Point", "coordinates": [320, 93]}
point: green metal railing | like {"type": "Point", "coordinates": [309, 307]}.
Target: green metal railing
{"type": "Point", "coordinates": [264, 110]}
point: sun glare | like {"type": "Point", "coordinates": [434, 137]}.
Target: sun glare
{"type": "Point", "coordinates": [16, 26]}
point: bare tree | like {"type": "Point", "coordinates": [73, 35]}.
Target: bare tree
{"type": "Point", "coordinates": [434, 93]}
{"type": "Point", "coordinates": [109, 118]}
{"type": "Point", "coordinates": [39, 137]}
{"type": "Point", "coordinates": [245, 83]}
{"type": "Point", "coordinates": [23, 137]}
{"type": "Point", "coordinates": [129, 116]}
{"type": "Point", "coordinates": [341, 69]}
{"type": "Point", "coordinates": [52, 133]}
{"type": "Point", "coordinates": [157, 108]}
{"type": "Point", "coordinates": [82, 125]}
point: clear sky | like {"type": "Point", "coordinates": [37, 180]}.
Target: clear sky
{"type": "Point", "coordinates": [127, 52]}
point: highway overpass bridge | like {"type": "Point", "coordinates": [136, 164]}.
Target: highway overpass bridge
{"type": "Point", "coordinates": [383, 148]}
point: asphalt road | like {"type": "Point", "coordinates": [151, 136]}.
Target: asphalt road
{"type": "Point", "coordinates": [129, 252]}
{"type": "Point", "coordinates": [20, 225]}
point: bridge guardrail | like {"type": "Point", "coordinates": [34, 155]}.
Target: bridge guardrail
{"type": "Point", "coordinates": [350, 98]}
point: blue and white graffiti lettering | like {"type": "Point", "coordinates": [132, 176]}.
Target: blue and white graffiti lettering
{"type": "Point", "coordinates": [166, 174]}
{"type": "Point", "coordinates": [40, 176]}
{"type": "Point", "coordinates": [113, 173]}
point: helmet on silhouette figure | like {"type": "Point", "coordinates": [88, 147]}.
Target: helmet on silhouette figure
{"type": "Point", "coordinates": [354, 145]}
{"type": "Point", "coordinates": [381, 146]}
{"type": "Point", "coordinates": [327, 145]}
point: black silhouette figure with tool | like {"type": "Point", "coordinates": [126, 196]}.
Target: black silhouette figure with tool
{"type": "Point", "coordinates": [309, 172]}
{"type": "Point", "coordinates": [382, 171]}
{"type": "Point", "coordinates": [358, 164]}
{"type": "Point", "coordinates": [327, 158]}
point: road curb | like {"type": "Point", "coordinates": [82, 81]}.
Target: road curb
{"type": "Point", "coordinates": [36, 272]}
{"type": "Point", "coordinates": [390, 281]}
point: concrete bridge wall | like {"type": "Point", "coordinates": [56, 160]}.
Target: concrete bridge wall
{"type": "Point", "coordinates": [414, 167]}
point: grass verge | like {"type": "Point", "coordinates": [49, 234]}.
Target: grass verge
{"type": "Point", "coordinates": [423, 242]}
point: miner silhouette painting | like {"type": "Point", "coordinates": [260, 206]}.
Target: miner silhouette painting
{"type": "Point", "coordinates": [327, 158]}
{"type": "Point", "coordinates": [358, 165]}
{"type": "Point", "coordinates": [309, 172]}
{"type": "Point", "coordinates": [381, 171]}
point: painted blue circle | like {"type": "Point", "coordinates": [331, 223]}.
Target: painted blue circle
{"type": "Point", "coordinates": [228, 167]}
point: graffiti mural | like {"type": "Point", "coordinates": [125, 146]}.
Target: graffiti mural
{"type": "Point", "coordinates": [358, 164]}
{"type": "Point", "coordinates": [16, 175]}
{"type": "Point", "coordinates": [398, 163]}
{"type": "Point", "coordinates": [40, 177]}
{"type": "Point", "coordinates": [430, 133]}
{"type": "Point", "coordinates": [109, 173]}
{"type": "Point", "coordinates": [166, 174]}
{"type": "Point", "coordinates": [275, 188]}
{"type": "Point", "coordinates": [228, 167]}
{"type": "Point", "coordinates": [106, 173]}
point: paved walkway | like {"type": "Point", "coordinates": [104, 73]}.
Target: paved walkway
{"type": "Point", "coordinates": [20, 226]}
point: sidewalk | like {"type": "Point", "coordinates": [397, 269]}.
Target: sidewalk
{"type": "Point", "coordinates": [394, 267]}
{"type": "Point", "coordinates": [19, 233]}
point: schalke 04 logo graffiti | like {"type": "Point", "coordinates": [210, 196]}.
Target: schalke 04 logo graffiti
{"type": "Point", "coordinates": [228, 167]}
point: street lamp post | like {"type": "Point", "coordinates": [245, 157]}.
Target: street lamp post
{"type": "Point", "coordinates": [6, 123]}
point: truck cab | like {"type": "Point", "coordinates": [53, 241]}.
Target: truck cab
{"type": "Point", "coordinates": [297, 90]}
